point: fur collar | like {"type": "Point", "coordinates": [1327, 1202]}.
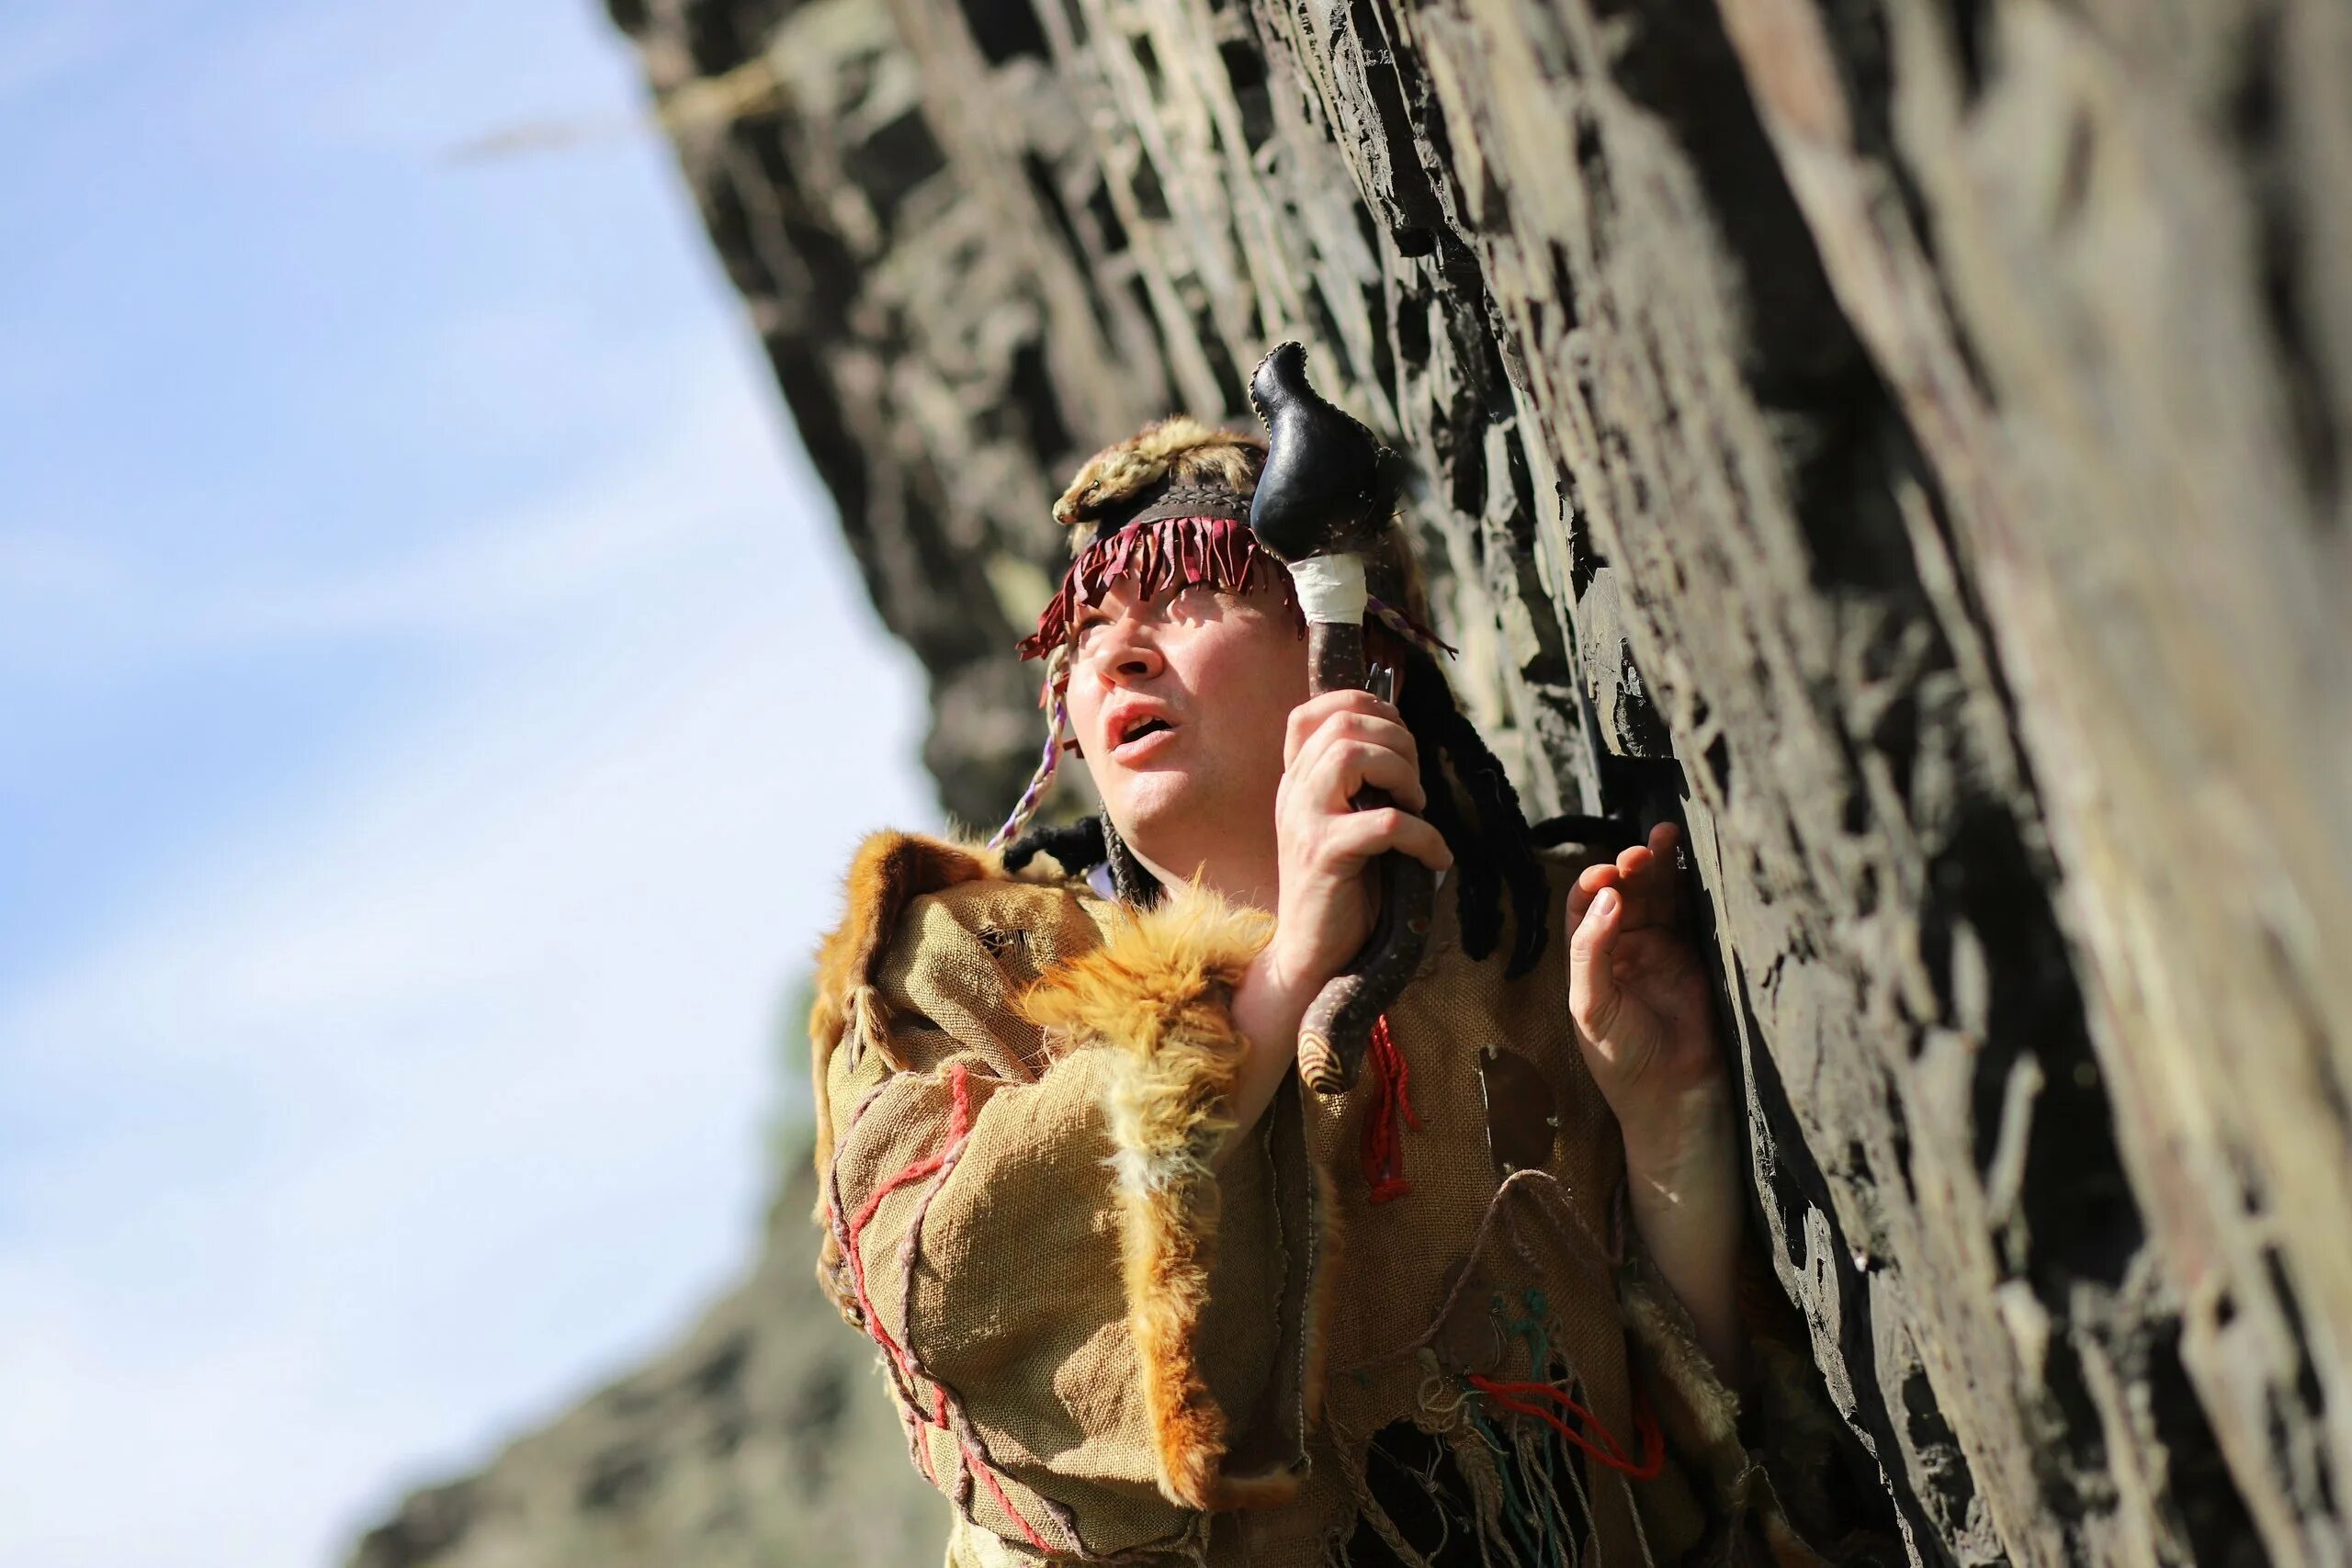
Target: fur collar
{"type": "Point", "coordinates": [890, 872]}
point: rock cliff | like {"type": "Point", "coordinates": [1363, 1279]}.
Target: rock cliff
{"type": "Point", "coordinates": [1907, 439]}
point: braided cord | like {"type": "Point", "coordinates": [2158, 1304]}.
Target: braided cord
{"type": "Point", "coordinates": [1057, 720]}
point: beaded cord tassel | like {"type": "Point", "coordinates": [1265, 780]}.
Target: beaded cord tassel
{"type": "Point", "coordinates": [1057, 720]}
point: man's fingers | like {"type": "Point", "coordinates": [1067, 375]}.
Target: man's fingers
{"type": "Point", "coordinates": [1637, 869]}
{"type": "Point", "coordinates": [1336, 770]}
{"type": "Point", "coordinates": [1362, 835]}
{"type": "Point", "coordinates": [1649, 874]}
{"type": "Point", "coordinates": [1316, 712]}
{"type": "Point", "coordinates": [1666, 840]}
{"type": "Point", "coordinates": [1591, 880]}
{"type": "Point", "coordinates": [1350, 729]}
{"type": "Point", "coordinates": [1592, 979]}
{"type": "Point", "coordinates": [1666, 873]}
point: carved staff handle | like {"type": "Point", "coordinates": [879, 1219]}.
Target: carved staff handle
{"type": "Point", "coordinates": [1337, 1028]}
{"type": "Point", "coordinates": [1320, 499]}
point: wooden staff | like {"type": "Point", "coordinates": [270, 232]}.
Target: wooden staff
{"type": "Point", "coordinates": [1321, 502]}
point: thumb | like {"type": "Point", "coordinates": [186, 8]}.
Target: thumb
{"type": "Point", "coordinates": [1592, 977]}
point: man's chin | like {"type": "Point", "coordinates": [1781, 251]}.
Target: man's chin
{"type": "Point", "coordinates": [1160, 803]}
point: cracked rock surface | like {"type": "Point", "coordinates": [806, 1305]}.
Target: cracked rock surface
{"type": "Point", "coordinates": [1907, 440]}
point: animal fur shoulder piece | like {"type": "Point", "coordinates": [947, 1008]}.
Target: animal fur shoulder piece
{"type": "Point", "coordinates": [1180, 448]}
{"type": "Point", "coordinates": [1157, 994]}
{"type": "Point", "coordinates": [890, 872]}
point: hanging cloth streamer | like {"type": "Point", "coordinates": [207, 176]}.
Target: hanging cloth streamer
{"type": "Point", "coordinates": [1330, 588]}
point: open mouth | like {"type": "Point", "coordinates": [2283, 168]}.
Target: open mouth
{"type": "Point", "coordinates": [1140, 728]}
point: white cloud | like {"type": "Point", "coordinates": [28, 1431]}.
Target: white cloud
{"type": "Point", "coordinates": [379, 1131]}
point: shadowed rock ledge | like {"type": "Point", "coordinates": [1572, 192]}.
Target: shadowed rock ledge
{"type": "Point", "coordinates": [1907, 439]}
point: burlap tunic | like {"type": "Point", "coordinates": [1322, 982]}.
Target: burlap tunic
{"type": "Point", "coordinates": [1104, 1348]}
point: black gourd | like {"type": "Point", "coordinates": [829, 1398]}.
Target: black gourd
{"type": "Point", "coordinates": [1323, 469]}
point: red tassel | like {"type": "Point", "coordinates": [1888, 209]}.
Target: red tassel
{"type": "Point", "coordinates": [1386, 1119]}
{"type": "Point", "coordinates": [1176, 552]}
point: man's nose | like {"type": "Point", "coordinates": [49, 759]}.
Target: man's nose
{"type": "Point", "coordinates": [1136, 661]}
{"type": "Point", "coordinates": [1128, 657]}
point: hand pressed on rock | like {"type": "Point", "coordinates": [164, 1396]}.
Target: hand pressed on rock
{"type": "Point", "coordinates": [1641, 999]}
{"type": "Point", "coordinates": [1645, 1015]}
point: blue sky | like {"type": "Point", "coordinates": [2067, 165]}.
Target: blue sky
{"type": "Point", "coordinates": [437, 705]}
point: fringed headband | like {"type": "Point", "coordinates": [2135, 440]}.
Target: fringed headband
{"type": "Point", "coordinates": [1160, 555]}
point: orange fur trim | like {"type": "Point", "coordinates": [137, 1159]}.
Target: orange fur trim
{"type": "Point", "coordinates": [1194, 453]}
{"type": "Point", "coordinates": [1158, 992]}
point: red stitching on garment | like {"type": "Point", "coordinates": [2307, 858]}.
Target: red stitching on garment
{"type": "Point", "coordinates": [1610, 1452]}
{"type": "Point", "coordinates": [995, 1489]}
{"type": "Point", "coordinates": [959, 1127]}
{"type": "Point", "coordinates": [918, 1447]}
{"type": "Point", "coordinates": [1386, 1119]}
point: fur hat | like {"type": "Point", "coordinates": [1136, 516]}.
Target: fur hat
{"type": "Point", "coordinates": [1179, 453]}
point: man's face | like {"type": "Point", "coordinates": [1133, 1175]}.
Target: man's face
{"type": "Point", "coordinates": [1180, 706]}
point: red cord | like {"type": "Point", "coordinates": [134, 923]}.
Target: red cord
{"type": "Point", "coordinates": [959, 1127]}
{"type": "Point", "coordinates": [1387, 1117]}
{"type": "Point", "coordinates": [1607, 1450]}
{"type": "Point", "coordinates": [922, 1455]}
{"type": "Point", "coordinates": [995, 1489]}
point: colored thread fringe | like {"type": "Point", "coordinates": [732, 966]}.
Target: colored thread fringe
{"type": "Point", "coordinates": [1386, 1119]}
{"type": "Point", "coordinates": [1405, 627]}
{"type": "Point", "coordinates": [1603, 1446]}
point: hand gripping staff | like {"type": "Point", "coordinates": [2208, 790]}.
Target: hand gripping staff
{"type": "Point", "coordinates": [1321, 502]}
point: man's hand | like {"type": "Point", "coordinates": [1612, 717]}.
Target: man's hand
{"type": "Point", "coordinates": [1337, 744]}
{"type": "Point", "coordinates": [1645, 1015]}
{"type": "Point", "coordinates": [1641, 998]}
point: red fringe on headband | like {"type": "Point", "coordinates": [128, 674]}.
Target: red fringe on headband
{"type": "Point", "coordinates": [1160, 556]}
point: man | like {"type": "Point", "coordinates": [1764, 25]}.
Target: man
{"type": "Point", "coordinates": [1137, 1295]}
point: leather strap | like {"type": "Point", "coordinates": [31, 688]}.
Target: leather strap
{"type": "Point", "coordinates": [1190, 501]}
